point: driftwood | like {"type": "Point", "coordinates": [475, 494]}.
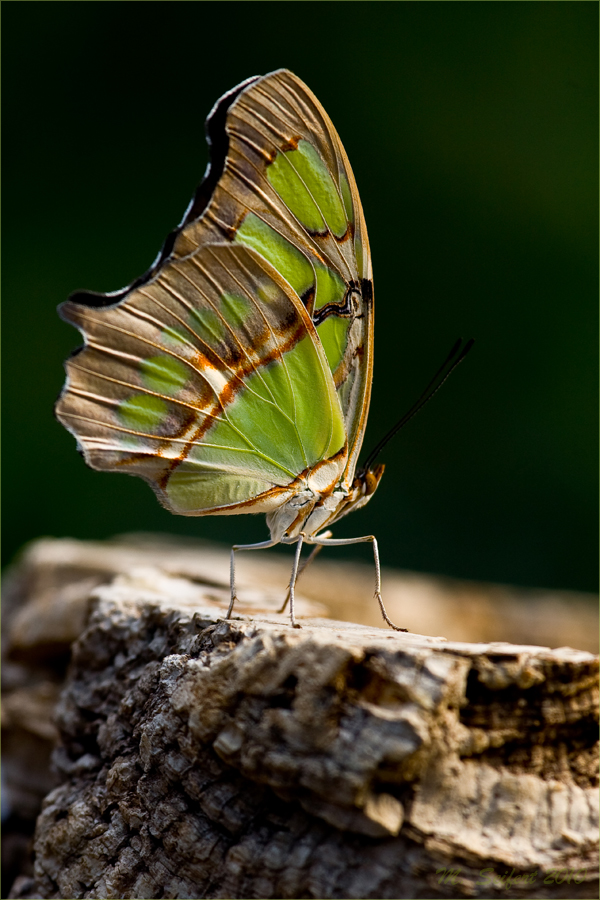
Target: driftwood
{"type": "Point", "coordinates": [205, 758]}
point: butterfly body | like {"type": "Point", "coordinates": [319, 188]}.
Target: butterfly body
{"type": "Point", "coordinates": [235, 376]}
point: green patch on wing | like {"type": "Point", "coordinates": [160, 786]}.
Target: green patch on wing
{"type": "Point", "coordinates": [193, 488]}
{"type": "Point", "coordinates": [286, 258]}
{"type": "Point", "coordinates": [236, 310]}
{"type": "Point", "coordinates": [142, 412]}
{"type": "Point", "coordinates": [208, 325]}
{"type": "Point", "coordinates": [305, 185]}
{"type": "Point", "coordinates": [333, 332]}
{"type": "Point", "coordinates": [290, 262]}
{"type": "Point", "coordinates": [330, 287]}
{"type": "Point", "coordinates": [299, 273]}
{"type": "Point", "coordinates": [164, 374]}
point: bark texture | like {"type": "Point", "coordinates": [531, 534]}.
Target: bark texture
{"type": "Point", "coordinates": [204, 758]}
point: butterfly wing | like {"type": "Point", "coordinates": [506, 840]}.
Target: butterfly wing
{"type": "Point", "coordinates": [209, 381]}
{"type": "Point", "coordinates": [279, 181]}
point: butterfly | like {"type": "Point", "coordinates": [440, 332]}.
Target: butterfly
{"type": "Point", "coordinates": [235, 375]}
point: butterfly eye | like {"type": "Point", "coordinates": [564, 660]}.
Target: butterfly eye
{"type": "Point", "coordinates": [370, 483]}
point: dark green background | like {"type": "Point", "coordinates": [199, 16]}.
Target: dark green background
{"type": "Point", "coordinates": [472, 131]}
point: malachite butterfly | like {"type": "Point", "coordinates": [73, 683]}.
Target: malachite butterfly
{"type": "Point", "coordinates": [235, 375]}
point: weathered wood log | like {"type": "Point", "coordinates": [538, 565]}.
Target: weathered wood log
{"type": "Point", "coordinates": [206, 758]}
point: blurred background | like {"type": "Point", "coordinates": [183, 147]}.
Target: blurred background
{"type": "Point", "coordinates": [472, 131]}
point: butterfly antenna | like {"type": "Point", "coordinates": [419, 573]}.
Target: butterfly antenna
{"type": "Point", "coordinates": [454, 358]}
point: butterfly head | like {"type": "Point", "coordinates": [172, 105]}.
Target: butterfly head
{"type": "Point", "coordinates": [366, 482]}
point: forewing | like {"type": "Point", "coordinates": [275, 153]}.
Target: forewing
{"type": "Point", "coordinates": [280, 182]}
{"type": "Point", "coordinates": [208, 380]}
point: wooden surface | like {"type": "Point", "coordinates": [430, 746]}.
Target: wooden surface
{"type": "Point", "coordinates": [203, 758]}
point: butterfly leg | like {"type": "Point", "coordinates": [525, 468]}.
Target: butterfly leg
{"type": "Point", "coordinates": [343, 542]}
{"type": "Point", "coordinates": [263, 545]}
{"type": "Point", "coordinates": [293, 579]}
{"type": "Point", "coordinates": [304, 566]}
